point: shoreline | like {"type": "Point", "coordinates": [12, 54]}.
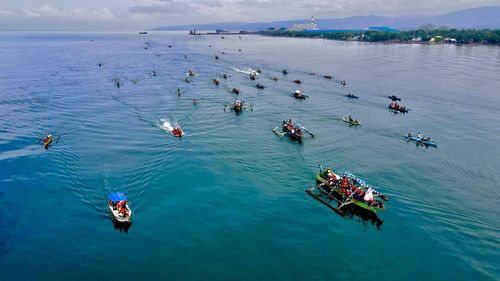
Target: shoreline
{"type": "Point", "coordinates": [358, 37]}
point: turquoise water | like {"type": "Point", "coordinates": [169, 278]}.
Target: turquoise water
{"type": "Point", "coordinates": [227, 201]}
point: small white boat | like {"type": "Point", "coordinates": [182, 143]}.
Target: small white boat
{"type": "Point", "coordinates": [119, 208]}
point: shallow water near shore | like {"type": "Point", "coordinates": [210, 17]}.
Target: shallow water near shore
{"type": "Point", "coordinates": [227, 201]}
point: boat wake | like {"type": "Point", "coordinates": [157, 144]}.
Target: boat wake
{"type": "Point", "coordinates": [247, 70]}
{"type": "Point", "coordinates": [166, 125]}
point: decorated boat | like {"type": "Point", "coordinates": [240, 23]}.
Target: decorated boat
{"type": "Point", "coordinates": [345, 189]}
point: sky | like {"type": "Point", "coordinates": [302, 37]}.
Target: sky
{"type": "Point", "coordinates": [128, 15]}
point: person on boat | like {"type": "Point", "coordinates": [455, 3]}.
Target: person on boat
{"type": "Point", "coordinates": [409, 134]}
{"type": "Point", "coordinates": [344, 183]}
{"type": "Point", "coordinates": [47, 138]}
{"type": "Point", "coordinates": [419, 135]}
{"type": "Point", "coordinates": [368, 195]}
{"type": "Point", "coordinates": [328, 172]}
{"type": "Point", "coordinates": [350, 119]}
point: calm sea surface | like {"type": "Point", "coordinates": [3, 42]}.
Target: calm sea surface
{"type": "Point", "coordinates": [227, 201]}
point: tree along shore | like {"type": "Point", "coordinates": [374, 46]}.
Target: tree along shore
{"type": "Point", "coordinates": [458, 36]}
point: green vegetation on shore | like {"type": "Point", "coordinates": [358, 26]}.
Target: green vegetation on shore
{"type": "Point", "coordinates": [463, 36]}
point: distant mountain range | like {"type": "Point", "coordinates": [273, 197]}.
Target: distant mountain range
{"type": "Point", "coordinates": [481, 17]}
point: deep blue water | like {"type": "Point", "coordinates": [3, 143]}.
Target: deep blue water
{"type": "Point", "coordinates": [227, 202]}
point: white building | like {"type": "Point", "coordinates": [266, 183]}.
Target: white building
{"type": "Point", "coordinates": [304, 26]}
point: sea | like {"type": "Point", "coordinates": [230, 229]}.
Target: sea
{"type": "Point", "coordinates": [227, 201]}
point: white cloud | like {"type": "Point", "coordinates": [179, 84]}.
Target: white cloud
{"type": "Point", "coordinates": [169, 7]}
{"type": "Point", "coordinates": [102, 14]}
{"type": "Point", "coordinates": [5, 13]}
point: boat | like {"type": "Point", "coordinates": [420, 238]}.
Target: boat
{"type": "Point", "coordinates": [351, 96]}
{"type": "Point", "coordinates": [291, 128]}
{"type": "Point", "coordinates": [394, 98]}
{"type": "Point", "coordinates": [260, 86]}
{"type": "Point", "coordinates": [238, 106]}
{"type": "Point", "coordinates": [47, 141]}
{"type": "Point", "coordinates": [216, 82]}
{"type": "Point", "coordinates": [117, 203]}
{"type": "Point", "coordinates": [297, 81]}
{"type": "Point", "coordinates": [143, 32]}
{"type": "Point", "coordinates": [298, 95]}
{"type": "Point", "coordinates": [396, 108]}
{"type": "Point", "coordinates": [421, 140]}
{"type": "Point", "coordinates": [235, 91]}
{"type": "Point", "coordinates": [329, 77]}
{"type": "Point", "coordinates": [352, 122]}
{"type": "Point", "coordinates": [177, 132]}
{"type": "Point", "coordinates": [346, 189]}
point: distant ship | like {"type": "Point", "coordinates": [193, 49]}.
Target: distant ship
{"type": "Point", "coordinates": [193, 32]}
{"type": "Point", "coordinates": [143, 32]}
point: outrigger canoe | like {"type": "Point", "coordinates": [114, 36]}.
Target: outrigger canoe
{"type": "Point", "coordinates": [354, 122]}
{"type": "Point", "coordinates": [421, 141]}
{"type": "Point", "coordinates": [336, 192]}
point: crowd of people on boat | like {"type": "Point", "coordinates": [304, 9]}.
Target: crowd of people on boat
{"type": "Point", "coordinates": [177, 131]}
{"type": "Point", "coordinates": [398, 107]}
{"type": "Point", "coordinates": [121, 207]}
{"type": "Point", "coordinates": [349, 188]}
{"type": "Point", "coordinates": [291, 127]}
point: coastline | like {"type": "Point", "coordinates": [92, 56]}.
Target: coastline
{"type": "Point", "coordinates": [345, 38]}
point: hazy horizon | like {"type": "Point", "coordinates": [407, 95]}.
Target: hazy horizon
{"type": "Point", "coordinates": [129, 15]}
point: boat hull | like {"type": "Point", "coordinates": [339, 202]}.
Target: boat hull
{"type": "Point", "coordinates": [352, 123]}
{"type": "Point", "coordinates": [420, 141]}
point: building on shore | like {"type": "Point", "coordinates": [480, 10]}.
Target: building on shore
{"type": "Point", "coordinates": [304, 26]}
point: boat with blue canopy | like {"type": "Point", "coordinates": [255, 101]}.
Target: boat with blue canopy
{"type": "Point", "coordinates": [117, 202]}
